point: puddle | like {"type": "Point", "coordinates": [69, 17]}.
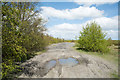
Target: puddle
{"type": "Point", "coordinates": [68, 62]}
{"type": "Point", "coordinates": [50, 64]}
{"type": "Point", "coordinates": [46, 68]}
{"type": "Point", "coordinates": [64, 62]}
{"type": "Point", "coordinates": [43, 70]}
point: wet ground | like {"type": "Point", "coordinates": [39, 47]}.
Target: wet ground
{"type": "Point", "coordinates": [68, 62]}
{"type": "Point", "coordinates": [62, 61]}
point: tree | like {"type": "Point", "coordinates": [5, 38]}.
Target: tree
{"type": "Point", "coordinates": [110, 41]}
{"type": "Point", "coordinates": [22, 32]}
{"type": "Point", "coordinates": [93, 39]}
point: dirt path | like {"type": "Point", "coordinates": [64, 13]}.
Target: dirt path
{"type": "Point", "coordinates": [88, 66]}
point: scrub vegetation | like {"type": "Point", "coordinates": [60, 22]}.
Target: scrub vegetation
{"type": "Point", "coordinates": [93, 41]}
{"type": "Point", "coordinates": [22, 35]}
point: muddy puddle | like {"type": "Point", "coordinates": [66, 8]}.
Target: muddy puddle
{"type": "Point", "coordinates": [50, 64]}
{"type": "Point", "coordinates": [68, 62]}
{"type": "Point", "coordinates": [43, 70]}
{"type": "Point", "coordinates": [64, 62]}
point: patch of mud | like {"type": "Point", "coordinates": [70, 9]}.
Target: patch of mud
{"type": "Point", "coordinates": [36, 68]}
{"type": "Point", "coordinates": [84, 61]}
{"type": "Point", "coordinates": [30, 68]}
{"type": "Point", "coordinates": [41, 69]}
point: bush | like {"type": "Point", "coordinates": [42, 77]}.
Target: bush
{"type": "Point", "coordinates": [116, 42]}
{"type": "Point", "coordinates": [22, 34]}
{"type": "Point", "coordinates": [93, 39]}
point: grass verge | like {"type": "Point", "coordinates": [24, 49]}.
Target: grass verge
{"type": "Point", "coordinates": [40, 52]}
{"type": "Point", "coordinates": [111, 56]}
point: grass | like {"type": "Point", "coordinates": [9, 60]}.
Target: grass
{"type": "Point", "coordinates": [40, 52]}
{"type": "Point", "coordinates": [112, 56]}
{"type": "Point", "coordinates": [115, 75]}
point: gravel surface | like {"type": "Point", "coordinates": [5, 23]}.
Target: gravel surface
{"type": "Point", "coordinates": [88, 66]}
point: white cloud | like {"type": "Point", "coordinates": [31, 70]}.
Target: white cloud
{"type": "Point", "coordinates": [97, 2]}
{"type": "Point", "coordinates": [65, 30]}
{"type": "Point", "coordinates": [76, 13]}
{"type": "Point", "coordinates": [106, 23]}
{"type": "Point", "coordinates": [70, 31]}
{"type": "Point", "coordinates": [113, 34]}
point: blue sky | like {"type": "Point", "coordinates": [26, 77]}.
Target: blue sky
{"type": "Point", "coordinates": [65, 19]}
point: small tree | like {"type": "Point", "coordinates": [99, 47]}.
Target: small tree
{"type": "Point", "coordinates": [93, 39]}
{"type": "Point", "coordinates": [110, 41]}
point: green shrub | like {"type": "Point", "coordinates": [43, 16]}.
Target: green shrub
{"type": "Point", "coordinates": [116, 42]}
{"type": "Point", "coordinates": [22, 34]}
{"type": "Point", "coordinates": [110, 41]}
{"type": "Point", "coordinates": [93, 39]}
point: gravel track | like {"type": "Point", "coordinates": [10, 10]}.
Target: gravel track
{"type": "Point", "coordinates": [88, 66]}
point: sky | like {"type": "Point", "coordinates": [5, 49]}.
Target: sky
{"type": "Point", "coordinates": [66, 19]}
